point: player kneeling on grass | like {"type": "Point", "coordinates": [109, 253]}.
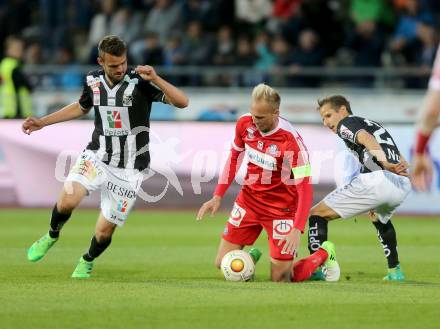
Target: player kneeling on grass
{"type": "Point", "coordinates": [379, 189]}
{"type": "Point", "coordinates": [114, 159]}
{"type": "Point", "coordinates": [277, 192]}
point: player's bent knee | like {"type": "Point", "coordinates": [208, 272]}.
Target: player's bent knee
{"type": "Point", "coordinates": [280, 277]}
{"type": "Point", "coordinates": [66, 205]}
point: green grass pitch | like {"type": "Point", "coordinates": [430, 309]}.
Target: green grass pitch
{"type": "Point", "coordinates": [158, 273]}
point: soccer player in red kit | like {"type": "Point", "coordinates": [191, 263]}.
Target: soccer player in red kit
{"type": "Point", "coordinates": [422, 165]}
{"type": "Point", "coordinates": [276, 193]}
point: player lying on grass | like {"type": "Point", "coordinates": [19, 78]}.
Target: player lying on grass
{"type": "Point", "coordinates": [276, 195]}
{"type": "Point", "coordinates": [380, 187]}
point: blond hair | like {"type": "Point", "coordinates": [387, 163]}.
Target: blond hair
{"type": "Point", "coordinates": [268, 94]}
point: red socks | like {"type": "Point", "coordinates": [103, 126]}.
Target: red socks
{"type": "Point", "coordinates": [304, 268]}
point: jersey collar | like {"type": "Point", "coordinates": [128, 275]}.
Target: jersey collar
{"type": "Point", "coordinates": [273, 131]}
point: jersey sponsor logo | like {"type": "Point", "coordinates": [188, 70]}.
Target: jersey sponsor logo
{"type": "Point", "coordinates": [121, 191]}
{"type": "Point", "coordinates": [122, 206]}
{"type": "Point", "coordinates": [94, 83]}
{"type": "Point", "coordinates": [260, 159]}
{"type": "Point", "coordinates": [250, 133]}
{"type": "Point", "coordinates": [115, 120]}
{"type": "Point", "coordinates": [281, 227]}
{"type": "Point", "coordinates": [237, 215]}
{"type": "Point", "coordinates": [346, 133]}
{"type": "Point", "coordinates": [96, 98]}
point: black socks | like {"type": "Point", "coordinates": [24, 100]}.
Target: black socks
{"type": "Point", "coordinates": [387, 237]}
{"type": "Point", "coordinates": [57, 221]}
{"type": "Point", "coordinates": [317, 232]}
{"type": "Point", "coordinates": [96, 248]}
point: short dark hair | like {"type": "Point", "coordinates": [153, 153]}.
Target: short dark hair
{"type": "Point", "coordinates": [336, 101]}
{"type": "Point", "coordinates": [113, 45]}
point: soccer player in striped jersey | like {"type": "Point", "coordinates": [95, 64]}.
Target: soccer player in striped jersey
{"type": "Point", "coordinates": [422, 166]}
{"type": "Point", "coordinates": [379, 189]}
{"type": "Point", "coordinates": [276, 194]}
{"type": "Point", "coordinates": [113, 161]}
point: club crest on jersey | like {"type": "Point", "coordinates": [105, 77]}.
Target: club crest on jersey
{"type": "Point", "coordinates": [127, 100]}
{"type": "Point", "coordinates": [250, 133]}
{"type": "Point", "coordinates": [346, 133]}
{"type": "Point", "coordinates": [272, 149]}
{"type": "Point", "coordinates": [260, 145]}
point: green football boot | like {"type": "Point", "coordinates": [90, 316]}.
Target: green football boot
{"type": "Point", "coordinates": [83, 269]}
{"type": "Point", "coordinates": [255, 254]}
{"type": "Point", "coordinates": [330, 268]}
{"type": "Point", "coordinates": [40, 247]}
{"type": "Point", "coordinates": [318, 275]}
{"type": "Point", "coordinates": [394, 274]}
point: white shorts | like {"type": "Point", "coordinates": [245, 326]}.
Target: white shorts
{"type": "Point", "coordinates": [381, 191]}
{"type": "Point", "coordinates": [119, 186]}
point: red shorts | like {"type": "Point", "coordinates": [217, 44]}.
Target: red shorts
{"type": "Point", "coordinates": [244, 227]}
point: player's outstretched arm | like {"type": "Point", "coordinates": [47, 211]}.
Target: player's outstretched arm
{"type": "Point", "coordinates": [212, 205]}
{"type": "Point", "coordinates": [366, 139]}
{"type": "Point", "coordinates": [67, 113]}
{"type": "Point", "coordinates": [174, 95]}
{"type": "Point", "coordinates": [430, 114]}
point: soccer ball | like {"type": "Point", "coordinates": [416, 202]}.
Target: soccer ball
{"type": "Point", "coordinates": [237, 265]}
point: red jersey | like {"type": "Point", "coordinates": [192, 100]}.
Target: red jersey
{"type": "Point", "coordinates": [277, 182]}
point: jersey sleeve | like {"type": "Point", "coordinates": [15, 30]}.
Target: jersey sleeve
{"type": "Point", "coordinates": [301, 172]}
{"type": "Point", "coordinates": [233, 163]}
{"type": "Point", "coordinates": [238, 143]}
{"type": "Point", "coordinates": [85, 100]}
{"type": "Point", "coordinates": [154, 92]}
{"type": "Point", "coordinates": [348, 129]}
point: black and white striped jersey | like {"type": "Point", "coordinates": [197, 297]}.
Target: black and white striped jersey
{"type": "Point", "coordinates": [122, 118]}
{"type": "Point", "coordinates": [348, 129]}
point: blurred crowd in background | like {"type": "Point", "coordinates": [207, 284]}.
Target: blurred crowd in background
{"type": "Point", "coordinates": [264, 35]}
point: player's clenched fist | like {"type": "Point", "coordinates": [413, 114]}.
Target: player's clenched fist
{"type": "Point", "coordinates": [146, 72]}
{"type": "Point", "coordinates": [32, 124]}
